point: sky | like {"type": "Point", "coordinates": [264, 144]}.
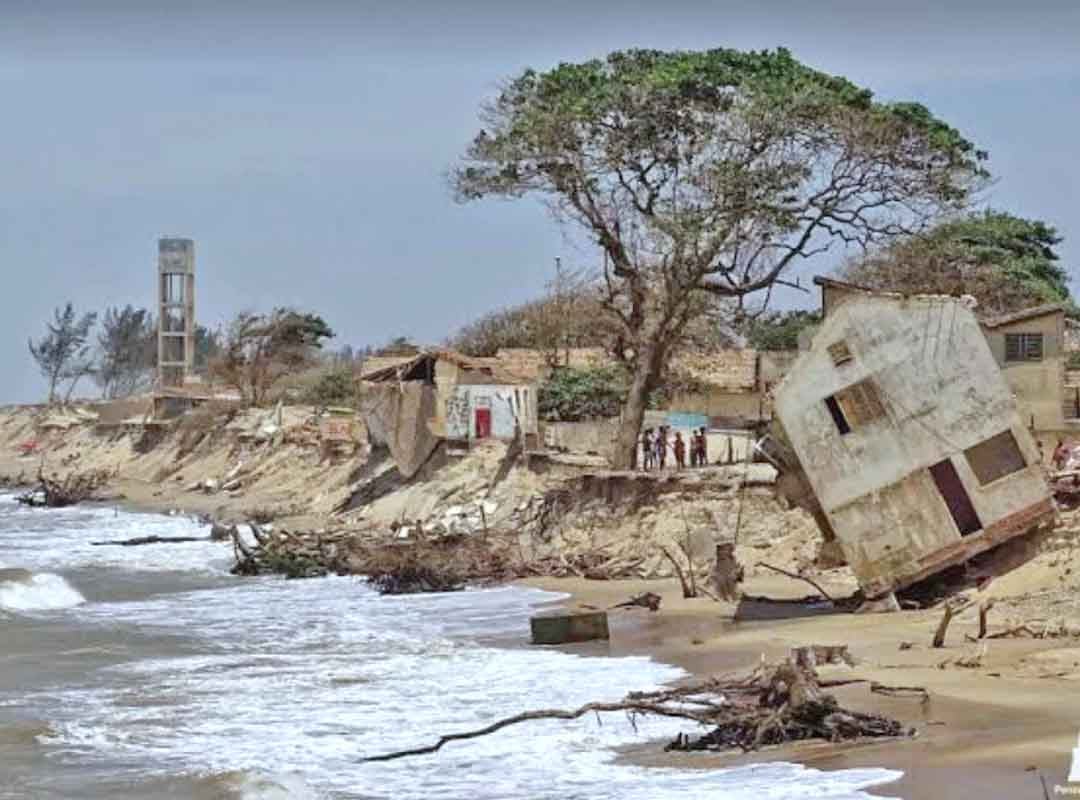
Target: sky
{"type": "Point", "coordinates": [304, 146]}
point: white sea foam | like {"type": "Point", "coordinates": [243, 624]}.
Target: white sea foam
{"type": "Point", "coordinates": [38, 592]}
{"type": "Point", "coordinates": [49, 539]}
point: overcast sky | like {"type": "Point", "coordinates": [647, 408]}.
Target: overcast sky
{"type": "Point", "coordinates": [303, 146]}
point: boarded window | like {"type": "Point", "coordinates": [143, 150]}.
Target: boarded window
{"type": "Point", "coordinates": [995, 458]}
{"type": "Point", "coordinates": [861, 403]}
{"type": "Point", "coordinates": [840, 353]}
{"type": "Point", "coordinates": [1023, 347]}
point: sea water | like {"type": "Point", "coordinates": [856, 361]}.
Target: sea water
{"type": "Point", "coordinates": [150, 672]}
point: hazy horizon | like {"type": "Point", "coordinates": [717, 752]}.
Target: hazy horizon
{"type": "Point", "coordinates": [304, 148]}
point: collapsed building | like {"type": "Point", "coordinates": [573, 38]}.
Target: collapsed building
{"type": "Point", "coordinates": [415, 404]}
{"type": "Point", "coordinates": [899, 433]}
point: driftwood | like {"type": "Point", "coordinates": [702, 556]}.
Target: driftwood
{"type": "Point", "coordinates": [943, 626]}
{"type": "Point", "coordinates": [141, 540]}
{"type": "Point", "coordinates": [688, 587]}
{"type": "Point", "coordinates": [647, 600]}
{"type": "Point", "coordinates": [798, 577]}
{"type": "Point", "coordinates": [900, 691]}
{"type": "Point", "coordinates": [55, 492]}
{"type": "Point", "coordinates": [984, 610]}
{"type": "Point", "coordinates": [774, 704]}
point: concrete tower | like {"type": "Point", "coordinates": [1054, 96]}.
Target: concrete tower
{"type": "Point", "coordinates": [176, 311]}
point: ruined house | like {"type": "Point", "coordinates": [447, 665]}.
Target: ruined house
{"type": "Point", "coordinates": [906, 440]}
{"type": "Point", "coordinates": [414, 404]}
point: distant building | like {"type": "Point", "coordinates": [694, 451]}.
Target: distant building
{"type": "Point", "coordinates": [905, 438]}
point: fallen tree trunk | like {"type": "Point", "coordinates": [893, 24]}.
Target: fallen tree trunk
{"type": "Point", "coordinates": [772, 705]}
{"type": "Point", "coordinates": [141, 540]}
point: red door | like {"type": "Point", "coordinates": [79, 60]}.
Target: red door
{"type": "Point", "coordinates": [483, 423]}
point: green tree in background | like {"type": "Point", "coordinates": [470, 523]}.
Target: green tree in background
{"type": "Point", "coordinates": [1005, 262]}
{"type": "Point", "coordinates": [63, 353]}
{"type": "Point", "coordinates": [127, 347]}
{"type": "Point", "coordinates": [709, 173]}
{"type": "Point", "coordinates": [779, 330]}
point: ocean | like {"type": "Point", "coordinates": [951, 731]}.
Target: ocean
{"type": "Point", "coordinates": [150, 672]}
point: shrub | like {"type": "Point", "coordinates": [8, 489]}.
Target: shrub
{"type": "Point", "coordinates": [572, 395]}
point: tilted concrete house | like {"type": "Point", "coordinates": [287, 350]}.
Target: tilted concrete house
{"type": "Point", "coordinates": [907, 439]}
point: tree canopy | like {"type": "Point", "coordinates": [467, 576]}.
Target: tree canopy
{"type": "Point", "coordinates": [261, 349]}
{"type": "Point", "coordinates": [711, 172]}
{"type": "Point", "coordinates": [127, 346]}
{"type": "Point", "coordinates": [63, 353]}
{"type": "Point", "coordinates": [779, 330]}
{"type": "Point", "coordinates": [1006, 262]}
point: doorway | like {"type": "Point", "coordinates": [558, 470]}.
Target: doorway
{"type": "Point", "coordinates": [483, 423]}
{"type": "Point", "coordinates": [956, 497]}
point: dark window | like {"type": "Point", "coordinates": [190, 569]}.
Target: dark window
{"type": "Point", "coordinates": [1023, 346]}
{"type": "Point", "coordinates": [956, 497]}
{"type": "Point", "coordinates": [837, 415]}
{"type": "Point", "coordinates": [995, 458]}
{"type": "Point", "coordinates": [840, 353]}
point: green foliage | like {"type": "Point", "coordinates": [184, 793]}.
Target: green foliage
{"type": "Point", "coordinates": [780, 330]}
{"type": "Point", "coordinates": [398, 346]}
{"type": "Point", "coordinates": [63, 353]}
{"type": "Point", "coordinates": [335, 386]}
{"type": "Point", "coordinates": [1072, 361]}
{"type": "Point", "coordinates": [573, 395]}
{"type": "Point", "coordinates": [1006, 262]}
{"type": "Point", "coordinates": [127, 343]}
{"type": "Point", "coordinates": [261, 349]}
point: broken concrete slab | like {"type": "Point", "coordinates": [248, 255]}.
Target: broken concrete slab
{"type": "Point", "coordinates": [563, 627]}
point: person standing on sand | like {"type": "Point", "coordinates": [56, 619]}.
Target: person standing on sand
{"type": "Point", "coordinates": [680, 451]}
{"type": "Point", "coordinates": [703, 449]}
{"type": "Point", "coordinates": [648, 450]}
{"type": "Point", "coordinates": [661, 447]}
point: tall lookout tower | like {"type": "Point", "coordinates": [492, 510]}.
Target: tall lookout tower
{"type": "Point", "coordinates": [176, 312]}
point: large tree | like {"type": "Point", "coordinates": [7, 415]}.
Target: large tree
{"type": "Point", "coordinates": [63, 354]}
{"type": "Point", "coordinates": [709, 173]}
{"type": "Point", "coordinates": [1004, 261]}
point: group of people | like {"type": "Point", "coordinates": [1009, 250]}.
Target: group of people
{"type": "Point", "coordinates": [655, 446]}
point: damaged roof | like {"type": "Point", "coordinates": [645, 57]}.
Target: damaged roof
{"type": "Point", "coordinates": [1022, 314]}
{"type": "Point", "coordinates": [421, 367]}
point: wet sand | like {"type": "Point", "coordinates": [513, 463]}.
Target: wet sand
{"type": "Point", "coordinates": [991, 732]}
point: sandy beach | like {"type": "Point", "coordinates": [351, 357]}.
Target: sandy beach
{"type": "Point", "coordinates": [985, 733]}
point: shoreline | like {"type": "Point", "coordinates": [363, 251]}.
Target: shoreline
{"type": "Point", "coordinates": [979, 735]}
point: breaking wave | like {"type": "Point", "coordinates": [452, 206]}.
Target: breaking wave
{"type": "Point", "coordinates": [21, 590]}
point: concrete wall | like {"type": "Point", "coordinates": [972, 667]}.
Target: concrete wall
{"type": "Point", "coordinates": [941, 392]}
{"type": "Point", "coordinates": [510, 406]}
{"type": "Point", "coordinates": [1038, 385]}
{"type": "Point", "coordinates": [718, 403]}
{"type": "Point", "coordinates": [592, 437]}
